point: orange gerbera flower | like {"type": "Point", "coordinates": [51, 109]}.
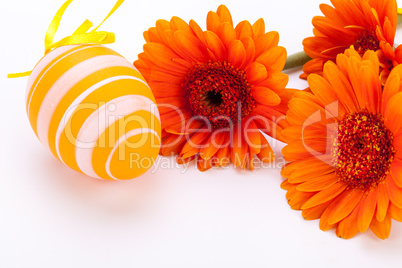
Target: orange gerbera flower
{"type": "Point", "coordinates": [216, 88]}
{"type": "Point", "coordinates": [365, 24]}
{"type": "Point", "coordinates": [345, 147]}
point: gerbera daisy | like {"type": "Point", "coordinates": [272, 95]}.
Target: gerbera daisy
{"type": "Point", "coordinates": [345, 147]}
{"type": "Point", "coordinates": [365, 24]}
{"type": "Point", "coordinates": [216, 88]}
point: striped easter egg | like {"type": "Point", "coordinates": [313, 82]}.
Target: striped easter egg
{"type": "Point", "coordinates": [94, 111]}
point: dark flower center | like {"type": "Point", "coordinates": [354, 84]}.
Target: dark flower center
{"type": "Point", "coordinates": [218, 93]}
{"type": "Point", "coordinates": [367, 41]}
{"type": "Point", "coordinates": [214, 98]}
{"type": "Point", "coordinates": [363, 150]}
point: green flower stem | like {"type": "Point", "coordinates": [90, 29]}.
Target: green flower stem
{"type": "Point", "coordinates": [399, 19]}
{"type": "Point", "coordinates": [296, 60]}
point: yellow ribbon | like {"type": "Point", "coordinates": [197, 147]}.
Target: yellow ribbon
{"type": "Point", "coordinates": [399, 11]}
{"type": "Point", "coordinates": [80, 35]}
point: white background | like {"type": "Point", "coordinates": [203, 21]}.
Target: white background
{"type": "Point", "coordinates": [51, 216]}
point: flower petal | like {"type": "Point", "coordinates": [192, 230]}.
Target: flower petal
{"type": "Point", "coordinates": [273, 59]}
{"type": "Point", "coordinates": [213, 21]}
{"type": "Point", "coordinates": [265, 96]}
{"type": "Point", "coordinates": [318, 184]}
{"type": "Point", "coordinates": [393, 113]}
{"type": "Point", "coordinates": [215, 44]}
{"type": "Point", "coordinates": [244, 30]}
{"type": "Point", "coordinates": [394, 192]}
{"type": "Point", "coordinates": [383, 228]}
{"type": "Point", "coordinates": [224, 14]}
{"type": "Point", "coordinates": [325, 195]}
{"type": "Point", "coordinates": [382, 202]}
{"type": "Point", "coordinates": [347, 228]}
{"type": "Point", "coordinates": [366, 211]}
{"type": "Point", "coordinates": [350, 200]}
{"type": "Point", "coordinates": [371, 86]}
{"type": "Point", "coordinates": [237, 53]}
{"type": "Point", "coordinates": [265, 42]}
{"type": "Point", "coordinates": [177, 24]}
{"type": "Point", "coordinates": [258, 28]}
{"type": "Point", "coordinates": [266, 154]}
{"type": "Point", "coordinates": [396, 170]}
{"type": "Point", "coordinates": [256, 72]}
{"type": "Point", "coordinates": [395, 212]}
{"type": "Point", "coordinates": [249, 46]}
{"type": "Point", "coordinates": [226, 33]}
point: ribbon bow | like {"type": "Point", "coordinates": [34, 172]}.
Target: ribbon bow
{"type": "Point", "coordinates": [81, 35]}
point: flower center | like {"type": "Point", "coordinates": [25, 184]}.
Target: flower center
{"type": "Point", "coordinates": [219, 93]}
{"type": "Point", "coordinates": [363, 150]}
{"type": "Point", "coordinates": [368, 41]}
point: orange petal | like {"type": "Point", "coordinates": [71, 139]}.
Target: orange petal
{"type": "Point", "coordinates": [294, 133]}
{"type": "Point", "coordinates": [348, 227]}
{"type": "Point", "coordinates": [265, 96]}
{"type": "Point", "coordinates": [249, 46]}
{"type": "Point", "coordinates": [215, 44]}
{"type": "Point", "coordinates": [253, 137]}
{"type": "Point", "coordinates": [366, 211]}
{"type": "Point", "coordinates": [371, 86]}
{"type": "Point", "coordinates": [393, 113]}
{"type": "Point", "coordinates": [298, 150]}
{"type": "Point", "coordinates": [239, 150]}
{"type": "Point", "coordinates": [324, 225]}
{"type": "Point", "coordinates": [237, 53]}
{"type": "Point", "coordinates": [392, 86]}
{"type": "Point", "coordinates": [315, 212]}
{"type": "Point", "coordinates": [244, 29]}
{"type": "Point", "coordinates": [291, 167]}
{"type": "Point", "coordinates": [152, 35]}
{"type": "Point", "coordinates": [298, 199]}
{"type": "Point", "coordinates": [383, 228]}
{"type": "Point", "coordinates": [382, 202]}
{"type": "Point", "coordinates": [161, 89]}
{"type": "Point", "coordinates": [191, 46]}
{"type": "Point", "coordinates": [395, 212]}
{"type": "Point", "coordinates": [325, 195]}
{"type": "Point", "coordinates": [266, 154]}
{"type": "Point", "coordinates": [194, 144]}
{"type": "Point", "coordinates": [223, 156]}
{"type": "Point", "coordinates": [213, 21]}
{"type": "Point", "coordinates": [162, 56]}
{"type": "Point", "coordinates": [325, 93]}
{"type": "Point", "coordinates": [173, 144]}
{"type": "Point", "coordinates": [396, 170]}
{"type": "Point", "coordinates": [198, 31]}
{"type": "Point", "coordinates": [224, 14]}
{"type": "Point", "coordinates": [318, 184]}
{"type": "Point", "coordinates": [215, 142]}
{"type": "Point", "coordinates": [277, 81]}
{"type": "Point", "coordinates": [226, 33]}
{"type": "Point", "coordinates": [204, 164]}
{"type": "Point", "coordinates": [308, 169]}
{"type": "Point", "coordinates": [273, 59]}
{"type": "Point", "coordinates": [341, 86]}
{"type": "Point", "coordinates": [394, 192]}
{"type": "Point", "coordinates": [256, 72]}
{"type": "Point", "coordinates": [177, 23]}
{"type": "Point", "coordinates": [259, 28]}
{"type": "Point", "coordinates": [314, 66]}
{"type": "Point", "coordinates": [345, 206]}
{"type": "Point", "coordinates": [266, 42]}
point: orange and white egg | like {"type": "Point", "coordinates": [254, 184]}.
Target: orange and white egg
{"type": "Point", "coordinates": [94, 111]}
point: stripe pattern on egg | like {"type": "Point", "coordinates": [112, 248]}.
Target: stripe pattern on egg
{"type": "Point", "coordinates": [94, 111]}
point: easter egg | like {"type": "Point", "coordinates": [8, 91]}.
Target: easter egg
{"type": "Point", "coordinates": [94, 111]}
